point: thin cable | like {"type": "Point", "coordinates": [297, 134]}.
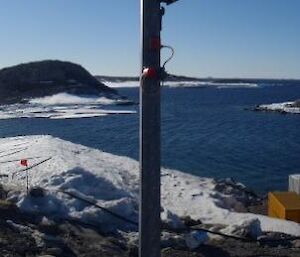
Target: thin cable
{"type": "Point", "coordinates": [16, 147]}
{"type": "Point", "coordinates": [172, 54]}
{"type": "Point", "coordinates": [31, 167]}
{"type": "Point", "coordinates": [14, 152]}
{"type": "Point", "coordinates": [184, 230]}
{"type": "Point", "coordinates": [118, 216]}
{"type": "Point", "coordinates": [178, 231]}
{"type": "Point", "coordinates": [17, 160]}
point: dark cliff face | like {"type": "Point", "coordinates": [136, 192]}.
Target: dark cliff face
{"type": "Point", "coordinates": [296, 104]}
{"type": "Point", "coordinates": [37, 79]}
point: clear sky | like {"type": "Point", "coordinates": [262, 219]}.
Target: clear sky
{"type": "Point", "coordinates": [218, 38]}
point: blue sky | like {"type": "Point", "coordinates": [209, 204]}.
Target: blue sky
{"type": "Point", "coordinates": [218, 38]}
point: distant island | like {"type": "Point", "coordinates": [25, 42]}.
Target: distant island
{"type": "Point", "coordinates": [287, 107]}
{"type": "Point", "coordinates": [43, 78]}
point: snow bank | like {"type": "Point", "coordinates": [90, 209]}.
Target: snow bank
{"type": "Point", "coordinates": [67, 99]}
{"type": "Point", "coordinates": [210, 84]}
{"type": "Point", "coordinates": [125, 84]}
{"type": "Point", "coordinates": [286, 107]}
{"type": "Point", "coordinates": [188, 84]}
{"type": "Point", "coordinates": [113, 182]}
{"type": "Point", "coordinates": [63, 106]}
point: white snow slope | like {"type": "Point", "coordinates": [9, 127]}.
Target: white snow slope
{"type": "Point", "coordinates": [189, 84]}
{"type": "Point", "coordinates": [63, 106]}
{"type": "Point", "coordinates": [113, 182]}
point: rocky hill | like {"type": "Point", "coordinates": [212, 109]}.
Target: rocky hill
{"type": "Point", "coordinates": [37, 79]}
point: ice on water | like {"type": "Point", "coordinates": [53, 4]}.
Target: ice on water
{"type": "Point", "coordinates": [63, 106]}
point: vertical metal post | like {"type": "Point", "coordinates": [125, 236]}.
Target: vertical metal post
{"type": "Point", "coordinates": [149, 220]}
{"type": "Point", "coordinates": [27, 182]}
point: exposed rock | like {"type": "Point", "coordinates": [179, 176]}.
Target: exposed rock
{"type": "Point", "coordinates": [176, 241]}
{"type": "Point", "coordinates": [243, 199]}
{"type": "Point", "coordinates": [37, 192]}
{"type": "Point", "coordinates": [296, 104]}
{"type": "Point", "coordinates": [189, 222]}
{"type": "Point", "coordinates": [38, 79]}
{"type": "Point", "coordinates": [196, 238]}
{"type": "Point", "coordinates": [171, 220]}
{"type": "Point", "coordinates": [245, 229]}
{"type": "Point", "coordinates": [296, 243]}
{"type": "Point", "coordinates": [3, 193]}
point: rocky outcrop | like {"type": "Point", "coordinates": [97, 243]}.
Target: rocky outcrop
{"type": "Point", "coordinates": [43, 78]}
{"type": "Point", "coordinates": [287, 107]}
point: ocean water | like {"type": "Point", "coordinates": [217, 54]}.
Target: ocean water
{"type": "Point", "coordinates": [205, 131]}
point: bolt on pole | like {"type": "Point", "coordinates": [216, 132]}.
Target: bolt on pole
{"type": "Point", "coordinates": [149, 219]}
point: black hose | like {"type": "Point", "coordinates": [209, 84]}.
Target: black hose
{"type": "Point", "coordinates": [118, 216]}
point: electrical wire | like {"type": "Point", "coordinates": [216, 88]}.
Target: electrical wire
{"type": "Point", "coordinates": [168, 60]}
{"type": "Point", "coordinates": [31, 167]}
{"type": "Point", "coordinates": [5, 155]}
{"type": "Point", "coordinates": [172, 230]}
{"type": "Point", "coordinates": [178, 231]}
{"type": "Point", "coordinates": [17, 160]}
{"type": "Point", "coordinates": [172, 54]}
{"type": "Point", "coordinates": [118, 216]}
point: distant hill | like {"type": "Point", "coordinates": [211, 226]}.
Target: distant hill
{"type": "Point", "coordinates": [37, 79]}
{"type": "Point", "coordinates": [170, 77]}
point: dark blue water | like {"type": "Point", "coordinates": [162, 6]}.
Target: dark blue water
{"type": "Point", "coordinates": [206, 132]}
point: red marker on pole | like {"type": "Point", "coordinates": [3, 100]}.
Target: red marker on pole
{"type": "Point", "coordinates": [24, 162]}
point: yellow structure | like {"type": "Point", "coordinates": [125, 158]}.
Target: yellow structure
{"type": "Point", "coordinates": [284, 205]}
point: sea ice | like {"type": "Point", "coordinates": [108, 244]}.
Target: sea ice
{"type": "Point", "coordinates": [63, 106]}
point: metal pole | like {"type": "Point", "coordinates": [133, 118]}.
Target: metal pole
{"type": "Point", "coordinates": [149, 220]}
{"type": "Point", "coordinates": [27, 182]}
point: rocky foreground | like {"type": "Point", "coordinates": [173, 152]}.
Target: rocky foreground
{"type": "Point", "coordinates": [29, 235]}
{"type": "Point", "coordinates": [71, 186]}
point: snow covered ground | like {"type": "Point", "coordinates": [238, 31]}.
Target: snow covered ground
{"type": "Point", "coordinates": [286, 107]}
{"type": "Point", "coordinates": [62, 106]}
{"type": "Point", "coordinates": [113, 182]}
{"type": "Point", "coordinates": [189, 84]}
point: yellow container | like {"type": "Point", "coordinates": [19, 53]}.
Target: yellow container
{"type": "Point", "coordinates": [284, 205]}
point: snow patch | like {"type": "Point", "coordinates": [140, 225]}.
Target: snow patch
{"type": "Point", "coordinates": [192, 84]}
{"type": "Point", "coordinates": [68, 99]}
{"type": "Point", "coordinates": [113, 182]}
{"type": "Point", "coordinates": [186, 84]}
{"type": "Point", "coordinates": [125, 84]}
{"type": "Point", "coordinates": [63, 106]}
